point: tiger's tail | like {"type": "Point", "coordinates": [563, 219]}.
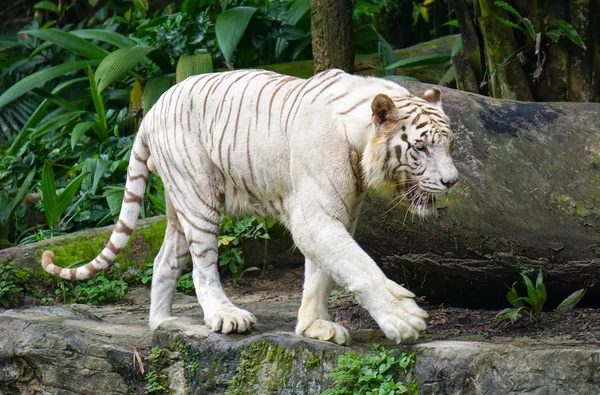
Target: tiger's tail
{"type": "Point", "coordinates": [135, 188]}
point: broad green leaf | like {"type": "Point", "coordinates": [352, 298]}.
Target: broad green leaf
{"type": "Point", "coordinates": [41, 77]}
{"type": "Point", "coordinates": [59, 101]}
{"type": "Point", "coordinates": [46, 5]}
{"type": "Point", "coordinates": [37, 116]}
{"type": "Point", "coordinates": [79, 130]}
{"type": "Point", "coordinates": [154, 88]}
{"type": "Point", "coordinates": [280, 45]}
{"type": "Point", "coordinates": [114, 198]}
{"type": "Point", "coordinates": [533, 297]}
{"type": "Point", "coordinates": [458, 46]}
{"type": "Point", "coordinates": [453, 23]}
{"type": "Point", "coordinates": [119, 63]}
{"type": "Point", "coordinates": [554, 34]}
{"type": "Point", "coordinates": [57, 122]}
{"type": "Point", "coordinates": [70, 42]}
{"type": "Point", "coordinates": [189, 65]}
{"type": "Point", "coordinates": [113, 38]}
{"type": "Point", "coordinates": [21, 193]}
{"type": "Point", "coordinates": [189, 7]}
{"type": "Point", "coordinates": [540, 288]}
{"type": "Point", "coordinates": [513, 297]}
{"type": "Point", "coordinates": [67, 195]}
{"type": "Point", "coordinates": [95, 168]}
{"type": "Point", "coordinates": [449, 77]}
{"type": "Point", "coordinates": [424, 11]}
{"type": "Point", "coordinates": [423, 60]}
{"type": "Point", "coordinates": [387, 54]}
{"type": "Point", "coordinates": [570, 32]}
{"type": "Point", "coordinates": [99, 106]}
{"type": "Point", "coordinates": [297, 10]}
{"type": "Point", "coordinates": [49, 194]}
{"type": "Point", "coordinates": [509, 23]}
{"type": "Point", "coordinates": [230, 27]}
{"type": "Point", "coordinates": [526, 22]}
{"type": "Point", "coordinates": [571, 301]}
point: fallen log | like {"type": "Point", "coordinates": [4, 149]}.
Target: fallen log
{"type": "Point", "coordinates": [528, 198]}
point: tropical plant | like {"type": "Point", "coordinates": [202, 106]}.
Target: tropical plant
{"type": "Point", "coordinates": [381, 372]}
{"type": "Point", "coordinates": [56, 204]}
{"type": "Point", "coordinates": [232, 233]}
{"type": "Point", "coordinates": [8, 207]}
{"type": "Point", "coordinates": [532, 304]}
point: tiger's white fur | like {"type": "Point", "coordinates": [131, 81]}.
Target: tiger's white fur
{"type": "Point", "coordinates": [302, 151]}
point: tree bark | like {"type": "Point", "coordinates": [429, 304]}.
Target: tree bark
{"type": "Point", "coordinates": [465, 76]}
{"type": "Point", "coordinates": [580, 60]}
{"type": "Point", "coordinates": [332, 34]}
{"type": "Point", "coordinates": [507, 79]}
{"type": "Point", "coordinates": [553, 83]}
{"type": "Point", "coordinates": [471, 48]}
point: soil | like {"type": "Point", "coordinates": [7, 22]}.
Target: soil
{"type": "Point", "coordinates": [581, 325]}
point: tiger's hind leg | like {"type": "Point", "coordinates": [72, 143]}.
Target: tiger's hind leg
{"type": "Point", "coordinates": [313, 316]}
{"type": "Point", "coordinates": [198, 214]}
{"type": "Point", "coordinates": [167, 268]}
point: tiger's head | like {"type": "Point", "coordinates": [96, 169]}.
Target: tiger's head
{"type": "Point", "coordinates": [410, 152]}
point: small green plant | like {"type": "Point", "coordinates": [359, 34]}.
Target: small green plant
{"type": "Point", "coordinates": [157, 382]}
{"type": "Point", "coordinates": [11, 284]}
{"type": "Point", "coordinates": [54, 206]}
{"type": "Point", "coordinates": [532, 304]}
{"type": "Point", "coordinates": [8, 207]}
{"type": "Point", "coordinates": [232, 233]}
{"type": "Point", "coordinates": [381, 372]}
{"type": "Point", "coordinates": [97, 290]}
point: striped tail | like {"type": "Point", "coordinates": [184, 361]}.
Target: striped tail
{"type": "Point", "coordinates": [135, 188]}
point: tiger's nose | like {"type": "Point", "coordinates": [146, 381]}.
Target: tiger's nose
{"type": "Point", "coordinates": [450, 183]}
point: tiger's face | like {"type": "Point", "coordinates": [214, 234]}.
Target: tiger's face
{"type": "Point", "coordinates": [410, 153]}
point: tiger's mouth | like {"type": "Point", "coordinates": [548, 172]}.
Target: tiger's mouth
{"type": "Point", "coordinates": [420, 201]}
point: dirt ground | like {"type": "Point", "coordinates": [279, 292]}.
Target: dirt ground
{"type": "Point", "coordinates": [444, 322]}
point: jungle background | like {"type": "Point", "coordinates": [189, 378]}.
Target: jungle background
{"type": "Point", "coordinates": [78, 76]}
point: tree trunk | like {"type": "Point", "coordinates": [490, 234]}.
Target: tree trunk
{"type": "Point", "coordinates": [580, 60]}
{"type": "Point", "coordinates": [469, 67]}
{"type": "Point", "coordinates": [596, 51]}
{"type": "Point", "coordinates": [528, 197]}
{"type": "Point", "coordinates": [332, 34]}
{"type": "Point", "coordinates": [553, 83]}
{"type": "Point", "coordinates": [506, 78]}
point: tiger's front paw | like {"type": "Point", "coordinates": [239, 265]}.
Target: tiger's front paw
{"type": "Point", "coordinates": [327, 331]}
{"type": "Point", "coordinates": [400, 318]}
{"type": "Point", "coordinates": [230, 319]}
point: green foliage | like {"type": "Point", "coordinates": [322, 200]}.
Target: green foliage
{"type": "Point", "coordinates": [54, 206]}
{"type": "Point", "coordinates": [381, 372]}
{"type": "Point", "coordinates": [229, 28]}
{"type": "Point", "coordinates": [157, 381]}
{"type": "Point", "coordinates": [563, 27]}
{"type": "Point", "coordinates": [232, 233]}
{"type": "Point", "coordinates": [532, 304]}
{"type": "Point", "coordinates": [8, 207]}
{"type": "Point", "coordinates": [95, 291]}
{"type": "Point", "coordinates": [12, 284]}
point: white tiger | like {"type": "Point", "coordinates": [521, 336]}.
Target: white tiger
{"type": "Point", "coordinates": [302, 151]}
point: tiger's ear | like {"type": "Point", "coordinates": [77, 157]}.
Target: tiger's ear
{"type": "Point", "coordinates": [383, 109]}
{"type": "Point", "coordinates": [434, 97]}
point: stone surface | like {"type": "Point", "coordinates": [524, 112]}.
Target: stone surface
{"type": "Point", "coordinates": [90, 350]}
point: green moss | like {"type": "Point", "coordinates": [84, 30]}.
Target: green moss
{"type": "Point", "coordinates": [263, 367]}
{"type": "Point", "coordinates": [312, 361]}
{"type": "Point", "coordinates": [79, 248]}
